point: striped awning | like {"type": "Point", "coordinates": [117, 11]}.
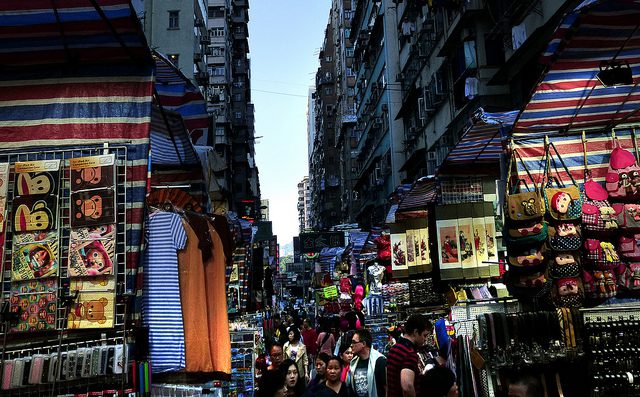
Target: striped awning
{"type": "Point", "coordinates": [44, 32]}
{"type": "Point", "coordinates": [423, 192]}
{"type": "Point", "coordinates": [482, 140]}
{"type": "Point", "coordinates": [176, 92]}
{"type": "Point", "coordinates": [569, 97]}
{"type": "Point", "coordinates": [598, 150]}
{"type": "Point", "coordinates": [170, 142]}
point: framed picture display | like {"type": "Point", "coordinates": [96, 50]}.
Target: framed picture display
{"type": "Point", "coordinates": [448, 252]}
{"type": "Point", "coordinates": [399, 252]}
{"type": "Point", "coordinates": [413, 250]}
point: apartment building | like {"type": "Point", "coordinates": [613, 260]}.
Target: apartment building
{"type": "Point", "coordinates": [208, 42]}
{"type": "Point", "coordinates": [304, 204]}
{"type": "Point", "coordinates": [458, 57]}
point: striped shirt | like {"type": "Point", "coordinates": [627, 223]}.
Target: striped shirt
{"type": "Point", "coordinates": [401, 356]}
{"type": "Point", "coordinates": [161, 309]}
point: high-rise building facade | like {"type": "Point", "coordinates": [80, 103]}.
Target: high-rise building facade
{"type": "Point", "coordinates": [208, 42]}
{"type": "Point", "coordinates": [304, 204]}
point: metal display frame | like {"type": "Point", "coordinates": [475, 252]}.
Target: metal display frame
{"type": "Point", "coordinates": [62, 339]}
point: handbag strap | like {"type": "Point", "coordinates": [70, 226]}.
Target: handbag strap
{"type": "Point", "coordinates": [515, 159]}
{"type": "Point", "coordinates": [552, 146]}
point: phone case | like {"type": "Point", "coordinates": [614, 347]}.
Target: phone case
{"type": "Point", "coordinates": [62, 367]}
{"type": "Point", "coordinates": [86, 365]}
{"type": "Point", "coordinates": [118, 359]}
{"type": "Point", "coordinates": [45, 368]}
{"type": "Point", "coordinates": [104, 356]}
{"type": "Point", "coordinates": [7, 370]}
{"type": "Point", "coordinates": [53, 368]}
{"type": "Point", "coordinates": [111, 352]}
{"type": "Point", "coordinates": [35, 374]}
{"type": "Point", "coordinates": [80, 352]}
{"type": "Point", "coordinates": [95, 361]}
{"type": "Point", "coordinates": [28, 364]}
{"type": "Point", "coordinates": [18, 373]}
{"type": "Point", "coordinates": [70, 369]}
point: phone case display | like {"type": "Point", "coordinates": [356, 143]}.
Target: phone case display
{"type": "Point", "coordinates": [243, 357]}
{"type": "Point", "coordinates": [35, 201]}
{"type": "Point", "coordinates": [91, 251]}
{"type": "Point", "coordinates": [36, 303]}
{"type": "Point", "coordinates": [35, 255]}
{"type": "Point", "coordinates": [92, 172]}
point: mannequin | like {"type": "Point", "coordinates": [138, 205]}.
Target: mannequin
{"type": "Point", "coordinates": [376, 273]}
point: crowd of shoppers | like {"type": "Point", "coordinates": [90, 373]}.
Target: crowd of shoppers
{"type": "Point", "coordinates": [310, 364]}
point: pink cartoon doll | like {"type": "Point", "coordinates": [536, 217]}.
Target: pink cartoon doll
{"type": "Point", "coordinates": [357, 297]}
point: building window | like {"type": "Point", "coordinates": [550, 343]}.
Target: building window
{"type": "Point", "coordinates": [217, 32]}
{"type": "Point", "coordinates": [237, 115]}
{"type": "Point", "coordinates": [174, 58]}
{"type": "Point", "coordinates": [218, 51]}
{"type": "Point", "coordinates": [174, 19]}
{"type": "Point", "coordinates": [328, 91]}
{"type": "Point", "coordinates": [328, 58]}
{"type": "Point", "coordinates": [218, 71]}
{"type": "Point", "coordinates": [216, 12]}
{"type": "Point", "coordinates": [349, 52]}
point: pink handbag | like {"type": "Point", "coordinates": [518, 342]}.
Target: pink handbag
{"type": "Point", "coordinates": [623, 175]}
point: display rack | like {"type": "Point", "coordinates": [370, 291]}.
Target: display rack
{"type": "Point", "coordinates": [464, 313]}
{"type": "Point", "coordinates": [243, 359]}
{"type": "Point", "coordinates": [611, 338]}
{"type": "Point", "coordinates": [63, 342]}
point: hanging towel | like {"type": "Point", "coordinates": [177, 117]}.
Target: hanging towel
{"type": "Point", "coordinates": [471, 87]}
{"type": "Point", "coordinates": [518, 35]}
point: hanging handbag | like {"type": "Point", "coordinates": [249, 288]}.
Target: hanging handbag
{"type": "Point", "coordinates": [600, 254]}
{"type": "Point", "coordinates": [567, 292]}
{"type": "Point", "coordinates": [564, 237]}
{"type": "Point", "coordinates": [598, 216]}
{"type": "Point", "coordinates": [525, 235]}
{"type": "Point", "coordinates": [522, 204]}
{"type": "Point", "coordinates": [627, 216]}
{"type": "Point", "coordinates": [630, 278]}
{"type": "Point", "coordinates": [563, 202]}
{"type": "Point", "coordinates": [525, 257]}
{"type": "Point", "coordinates": [623, 174]}
{"type": "Point", "coordinates": [629, 246]}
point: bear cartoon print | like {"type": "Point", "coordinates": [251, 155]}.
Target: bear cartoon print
{"type": "Point", "coordinates": [91, 208]}
{"type": "Point", "coordinates": [92, 310]}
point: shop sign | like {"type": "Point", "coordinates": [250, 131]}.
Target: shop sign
{"type": "Point", "coordinates": [315, 242]}
{"type": "Point", "coordinates": [330, 292]}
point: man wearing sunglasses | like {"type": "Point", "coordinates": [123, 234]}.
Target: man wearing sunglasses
{"type": "Point", "coordinates": [368, 367]}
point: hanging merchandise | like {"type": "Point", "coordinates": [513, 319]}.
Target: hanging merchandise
{"type": "Point", "coordinates": [92, 251]}
{"type": "Point", "coordinates": [35, 255]}
{"type": "Point", "coordinates": [598, 216]}
{"type": "Point", "coordinates": [623, 174]}
{"type": "Point", "coordinates": [563, 202]}
{"type": "Point", "coordinates": [35, 199]}
{"type": "Point", "coordinates": [36, 303]}
{"type": "Point", "coordinates": [525, 232]}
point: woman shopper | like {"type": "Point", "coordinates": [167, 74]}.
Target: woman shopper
{"type": "Point", "coordinates": [326, 342]}
{"type": "Point", "coordinates": [321, 370]}
{"type": "Point", "coordinates": [293, 380]}
{"type": "Point", "coordinates": [297, 352]}
{"type": "Point", "coordinates": [271, 384]}
{"type": "Point", "coordinates": [346, 355]}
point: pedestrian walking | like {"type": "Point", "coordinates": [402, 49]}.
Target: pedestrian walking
{"type": "Point", "coordinates": [368, 367]}
{"type": "Point", "coordinates": [402, 360]}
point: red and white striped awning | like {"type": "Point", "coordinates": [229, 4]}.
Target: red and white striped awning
{"type": "Point", "coordinates": [570, 98]}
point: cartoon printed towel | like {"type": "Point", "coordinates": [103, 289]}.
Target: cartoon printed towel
{"type": "Point", "coordinates": [92, 251]}
{"type": "Point", "coordinates": [35, 302]}
{"type": "Point", "coordinates": [92, 310]}
{"type": "Point", "coordinates": [35, 255]}
{"type": "Point", "coordinates": [92, 208]}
